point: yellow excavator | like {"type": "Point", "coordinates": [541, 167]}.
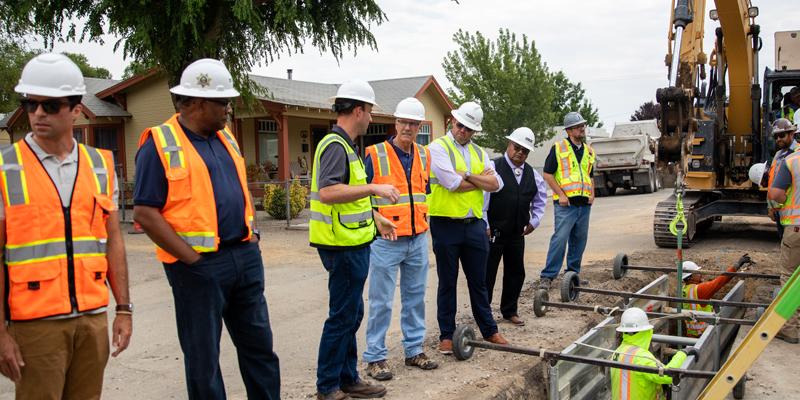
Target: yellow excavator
{"type": "Point", "coordinates": [713, 123]}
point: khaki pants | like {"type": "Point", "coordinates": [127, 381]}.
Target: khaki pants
{"type": "Point", "coordinates": [790, 259]}
{"type": "Point", "coordinates": [64, 359]}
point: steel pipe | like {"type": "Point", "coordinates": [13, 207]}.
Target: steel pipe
{"type": "Point", "coordinates": [741, 304]}
{"type": "Point", "coordinates": [464, 344]}
{"type": "Point", "coordinates": [701, 272]}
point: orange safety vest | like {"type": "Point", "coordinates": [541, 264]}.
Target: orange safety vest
{"type": "Point", "coordinates": [190, 209]}
{"type": "Point", "coordinates": [55, 256]}
{"type": "Point", "coordinates": [389, 170]}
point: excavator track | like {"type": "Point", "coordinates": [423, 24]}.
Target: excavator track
{"type": "Point", "coordinates": [665, 212]}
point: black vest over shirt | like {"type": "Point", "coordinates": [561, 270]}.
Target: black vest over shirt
{"type": "Point", "coordinates": [510, 208]}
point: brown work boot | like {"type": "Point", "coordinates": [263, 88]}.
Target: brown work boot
{"type": "Point", "coordinates": [421, 361]}
{"type": "Point", "coordinates": [379, 370]}
{"type": "Point", "coordinates": [446, 347]}
{"type": "Point", "coordinates": [335, 395]}
{"type": "Point", "coordinates": [514, 319]}
{"type": "Point", "coordinates": [497, 338]}
{"type": "Point", "coordinates": [364, 390]}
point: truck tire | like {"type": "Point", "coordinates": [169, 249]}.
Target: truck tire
{"type": "Point", "coordinates": [651, 185]}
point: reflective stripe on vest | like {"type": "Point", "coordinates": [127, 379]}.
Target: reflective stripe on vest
{"type": "Point", "coordinates": [100, 169]}
{"type": "Point", "coordinates": [383, 159]}
{"type": "Point", "coordinates": [625, 378]}
{"type": "Point", "coordinates": [695, 328]}
{"type": "Point", "coordinates": [190, 209]}
{"type": "Point", "coordinates": [169, 143]}
{"type": "Point", "coordinates": [14, 176]}
{"type": "Point", "coordinates": [51, 249]}
{"type": "Point", "coordinates": [574, 178]}
{"type": "Point", "coordinates": [790, 212]}
{"type": "Point", "coordinates": [444, 203]}
{"type": "Point", "coordinates": [340, 225]}
{"type": "Point", "coordinates": [404, 199]}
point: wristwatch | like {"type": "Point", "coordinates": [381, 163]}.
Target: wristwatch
{"type": "Point", "coordinates": [467, 175]}
{"type": "Point", "coordinates": [125, 308]}
{"type": "Point", "coordinates": [257, 233]}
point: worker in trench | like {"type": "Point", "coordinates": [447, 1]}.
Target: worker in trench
{"type": "Point", "coordinates": [695, 289]}
{"type": "Point", "coordinates": [637, 333]}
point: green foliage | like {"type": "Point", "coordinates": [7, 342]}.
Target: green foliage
{"type": "Point", "coordinates": [275, 199]}
{"type": "Point", "coordinates": [572, 97]}
{"type": "Point", "coordinates": [14, 57]}
{"type": "Point", "coordinates": [173, 33]}
{"type": "Point", "coordinates": [648, 110]}
{"type": "Point", "coordinates": [137, 68]}
{"type": "Point", "coordinates": [513, 86]}
{"type": "Point", "coordinates": [86, 69]}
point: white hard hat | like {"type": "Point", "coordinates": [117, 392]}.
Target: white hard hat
{"type": "Point", "coordinates": [756, 172]}
{"type": "Point", "coordinates": [523, 137]}
{"type": "Point", "coordinates": [51, 75]}
{"type": "Point", "coordinates": [206, 78]}
{"type": "Point", "coordinates": [572, 119]}
{"type": "Point", "coordinates": [633, 320]}
{"type": "Point", "coordinates": [356, 90]}
{"type": "Point", "coordinates": [689, 266]}
{"type": "Point", "coordinates": [470, 115]}
{"type": "Point", "coordinates": [410, 108]}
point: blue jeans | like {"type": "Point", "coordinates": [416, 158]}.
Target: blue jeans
{"type": "Point", "coordinates": [455, 241]}
{"type": "Point", "coordinates": [571, 227]}
{"type": "Point", "coordinates": [338, 356]}
{"type": "Point", "coordinates": [225, 285]}
{"type": "Point", "coordinates": [410, 256]}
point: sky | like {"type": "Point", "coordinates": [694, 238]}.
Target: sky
{"type": "Point", "coordinates": [615, 48]}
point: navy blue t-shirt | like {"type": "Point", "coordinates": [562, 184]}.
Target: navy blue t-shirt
{"type": "Point", "coordinates": [151, 183]}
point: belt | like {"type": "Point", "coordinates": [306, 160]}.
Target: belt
{"type": "Point", "coordinates": [459, 220]}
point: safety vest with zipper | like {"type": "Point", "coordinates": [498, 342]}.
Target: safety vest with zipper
{"type": "Point", "coordinates": [444, 203]}
{"type": "Point", "coordinates": [55, 255]}
{"type": "Point", "coordinates": [573, 177]}
{"type": "Point", "coordinates": [190, 208]}
{"type": "Point", "coordinates": [342, 225]}
{"type": "Point", "coordinates": [410, 212]}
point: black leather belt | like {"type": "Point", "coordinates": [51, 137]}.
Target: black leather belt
{"type": "Point", "coordinates": [458, 220]}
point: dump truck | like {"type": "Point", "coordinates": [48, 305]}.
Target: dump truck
{"type": "Point", "coordinates": [627, 159]}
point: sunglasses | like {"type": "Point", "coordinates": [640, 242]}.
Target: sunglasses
{"type": "Point", "coordinates": [780, 135]}
{"type": "Point", "coordinates": [521, 149]}
{"type": "Point", "coordinates": [52, 106]}
{"type": "Point", "coordinates": [222, 102]}
{"type": "Point", "coordinates": [459, 125]}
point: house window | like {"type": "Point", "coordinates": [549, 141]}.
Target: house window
{"type": "Point", "coordinates": [424, 135]}
{"type": "Point", "coordinates": [107, 137]}
{"type": "Point", "coordinates": [267, 130]}
{"type": "Point", "coordinates": [79, 134]}
{"type": "Point", "coordinates": [376, 133]}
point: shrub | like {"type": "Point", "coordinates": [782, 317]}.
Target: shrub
{"type": "Point", "coordinates": [275, 199]}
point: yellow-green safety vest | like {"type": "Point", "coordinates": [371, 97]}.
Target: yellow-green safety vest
{"type": "Point", "coordinates": [573, 178]}
{"type": "Point", "coordinates": [444, 203]}
{"type": "Point", "coordinates": [695, 328]}
{"type": "Point", "coordinates": [634, 385]}
{"type": "Point", "coordinates": [345, 224]}
{"type": "Point", "coordinates": [790, 212]}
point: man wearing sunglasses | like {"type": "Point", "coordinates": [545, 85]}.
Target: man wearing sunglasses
{"type": "Point", "coordinates": [568, 172]}
{"type": "Point", "coordinates": [783, 132]}
{"type": "Point", "coordinates": [510, 215]}
{"type": "Point", "coordinates": [191, 199]}
{"type": "Point", "coordinates": [60, 230]}
{"type": "Point", "coordinates": [460, 172]}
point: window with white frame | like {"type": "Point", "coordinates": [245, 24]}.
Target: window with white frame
{"type": "Point", "coordinates": [424, 135]}
{"type": "Point", "coordinates": [267, 132]}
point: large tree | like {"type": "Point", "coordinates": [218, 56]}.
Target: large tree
{"type": "Point", "coordinates": [173, 33]}
{"type": "Point", "coordinates": [14, 57]}
{"type": "Point", "coordinates": [571, 96]}
{"type": "Point", "coordinates": [507, 77]}
{"type": "Point", "coordinates": [513, 85]}
{"type": "Point", "coordinates": [86, 69]}
{"type": "Point", "coordinates": [648, 110]}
